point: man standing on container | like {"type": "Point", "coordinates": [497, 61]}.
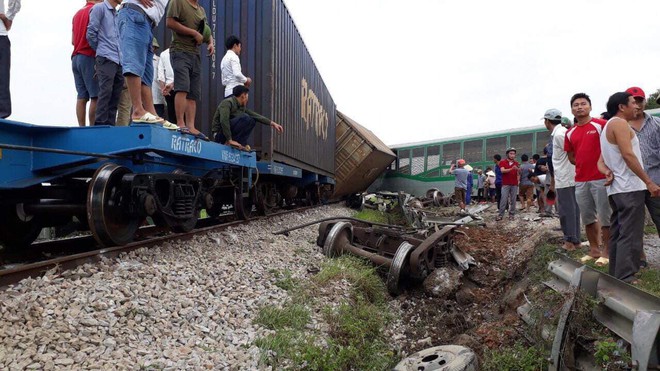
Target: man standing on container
{"type": "Point", "coordinates": [627, 186]}
{"type": "Point", "coordinates": [6, 20]}
{"type": "Point", "coordinates": [82, 64]}
{"type": "Point", "coordinates": [563, 181]}
{"type": "Point", "coordinates": [135, 21]}
{"type": "Point", "coordinates": [233, 123]}
{"type": "Point", "coordinates": [582, 144]}
{"type": "Point", "coordinates": [230, 67]}
{"type": "Point", "coordinates": [166, 82]}
{"type": "Point", "coordinates": [510, 176]}
{"type": "Point", "coordinates": [104, 39]}
{"type": "Point", "coordinates": [461, 182]}
{"type": "Point", "coordinates": [187, 20]}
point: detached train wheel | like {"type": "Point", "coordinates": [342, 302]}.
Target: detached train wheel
{"type": "Point", "coordinates": [107, 216]}
{"type": "Point", "coordinates": [242, 205]}
{"type": "Point", "coordinates": [16, 229]}
{"type": "Point", "coordinates": [399, 265]}
{"type": "Point", "coordinates": [444, 357]}
{"type": "Point", "coordinates": [340, 234]}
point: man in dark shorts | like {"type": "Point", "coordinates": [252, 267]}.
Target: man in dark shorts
{"type": "Point", "coordinates": [186, 19]}
{"type": "Point", "coordinates": [82, 65]}
{"type": "Point", "coordinates": [461, 184]}
{"type": "Point", "coordinates": [233, 123]}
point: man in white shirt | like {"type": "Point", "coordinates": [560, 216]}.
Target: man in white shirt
{"type": "Point", "coordinates": [230, 67]}
{"type": "Point", "coordinates": [6, 19]}
{"type": "Point", "coordinates": [563, 181]}
{"type": "Point", "coordinates": [165, 78]}
{"type": "Point", "coordinates": [156, 91]}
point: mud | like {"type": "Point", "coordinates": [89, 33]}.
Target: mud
{"type": "Point", "coordinates": [481, 314]}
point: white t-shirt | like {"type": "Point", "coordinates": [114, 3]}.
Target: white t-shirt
{"type": "Point", "coordinates": [564, 170]}
{"type": "Point", "coordinates": [156, 12]}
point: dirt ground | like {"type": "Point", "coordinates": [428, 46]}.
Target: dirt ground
{"type": "Point", "coordinates": [482, 312]}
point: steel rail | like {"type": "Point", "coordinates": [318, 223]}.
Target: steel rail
{"type": "Point", "coordinates": [15, 274]}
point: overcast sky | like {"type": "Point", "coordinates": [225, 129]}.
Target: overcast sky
{"type": "Point", "coordinates": [410, 70]}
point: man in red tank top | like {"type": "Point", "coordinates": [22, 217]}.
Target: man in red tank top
{"type": "Point", "coordinates": [582, 143]}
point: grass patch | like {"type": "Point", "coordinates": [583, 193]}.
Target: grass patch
{"type": "Point", "coordinates": [290, 316]}
{"type": "Point", "coordinates": [650, 281]}
{"type": "Point", "coordinates": [538, 264]}
{"type": "Point", "coordinates": [371, 216]}
{"type": "Point", "coordinates": [516, 357]}
{"type": "Point", "coordinates": [650, 229]}
{"type": "Point", "coordinates": [284, 280]}
{"type": "Point", "coordinates": [361, 275]}
{"type": "Point", "coordinates": [355, 338]}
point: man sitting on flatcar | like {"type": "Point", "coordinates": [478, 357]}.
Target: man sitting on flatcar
{"type": "Point", "coordinates": [233, 123]}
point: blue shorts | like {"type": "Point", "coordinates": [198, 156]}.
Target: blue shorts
{"type": "Point", "coordinates": [135, 45]}
{"type": "Point", "coordinates": [83, 74]}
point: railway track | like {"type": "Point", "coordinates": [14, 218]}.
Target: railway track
{"type": "Point", "coordinates": [73, 253]}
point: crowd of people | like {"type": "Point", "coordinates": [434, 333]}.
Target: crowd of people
{"type": "Point", "coordinates": [120, 79]}
{"type": "Point", "coordinates": [596, 172]}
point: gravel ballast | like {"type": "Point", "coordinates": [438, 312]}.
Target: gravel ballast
{"type": "Point", "coordinates": [182, 305]}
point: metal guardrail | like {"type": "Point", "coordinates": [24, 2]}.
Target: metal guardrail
{"type": "Point", "coordinates": [631, 313]}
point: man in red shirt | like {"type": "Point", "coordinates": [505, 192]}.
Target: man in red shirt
{"type": "Point", "coordinates": [582, 143]}
{"type": "Point", "coordinates": [82, 64]}
{"type": "Point", "coordinates": [510, 176]}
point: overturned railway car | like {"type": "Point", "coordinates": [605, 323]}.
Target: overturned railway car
{"type": "Point", "coordinates": [360, 157]}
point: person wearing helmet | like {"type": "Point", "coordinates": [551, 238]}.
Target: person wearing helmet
{"type": "Point", "coordinates": [460, 186]}
{"type": "Point", "coordinates": [510, 169]}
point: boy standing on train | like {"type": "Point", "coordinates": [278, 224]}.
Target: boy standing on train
{"type": "Point", "coordinates": [187, 20]}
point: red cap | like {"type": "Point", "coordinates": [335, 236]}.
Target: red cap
{"type": "Point", "coordinates": [460, 162]}
{"type": "Point", "coordinates": [636, 92]}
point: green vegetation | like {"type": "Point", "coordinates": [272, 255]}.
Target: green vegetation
{"type": "Point", "coordinates": [284, 280]}
{"type": "Point", "coordinates": [515, 358]}
{"type": "Point", "coordinates": [608, 355]}
{"type": "Point", "coordinates": [372, 216]}
{"type": "Point", "coordinates": [355, 338]}
{"type": "Point", "coordinates": [538, 264]}
{"type": "Point", "coordinates": [649, 281]}
{"type": "Point", "coordinates": [650, 229]}
{"type": "Point", "coordinates": [376, 216]}
{"type": "Point", "coordinates": [290, 316]}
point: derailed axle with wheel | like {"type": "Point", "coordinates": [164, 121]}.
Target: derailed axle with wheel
{"type": "Point", "coordinates": [405, 256]}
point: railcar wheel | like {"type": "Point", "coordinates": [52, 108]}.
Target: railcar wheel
{"type": "Point", "coordinates": [399, 265]}
{"type": "Point", "coordinates": [242, 205]}
{"type": "Point", "coordinates": [340, 234]}
{"type": "Point", "coordinates": [443, 357]}
{"type": "Point", "coordinates": [107, 215]}
{"type": "Point", "coordinates": [17, 230]}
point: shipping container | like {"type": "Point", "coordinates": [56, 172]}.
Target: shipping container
{"type": "Point", "coordinates": [360, 157]}
{"type": "Point", "coordinates": [286, 85]}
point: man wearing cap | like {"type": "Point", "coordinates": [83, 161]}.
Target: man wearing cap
{"type": "Point", "coordinates": [563, 181]}
{"type": "Point", "coordinates": [6, 20]}
{"type": "Point", "coordinates": [647, 128]}
{"type": "Point", "coordinates": [582, 144]}
{"type": "Point", "coordinates": [627, 186]}
{"type": "Point", "coordinates": [510, 179]}
{"type": "Point", "coordinates": [104, 39]}
{"type": "Point", "coordinates": [481, 181]}
{"type": "Point", "coordinates": [461, 183]}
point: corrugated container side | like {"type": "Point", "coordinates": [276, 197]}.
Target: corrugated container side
{"type": "Point", "coordinates": [360, 157]}
{"type": "Point", "coordinates": [287, 86]}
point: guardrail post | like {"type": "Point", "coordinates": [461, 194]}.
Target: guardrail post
{"type": "Point", "coordinates": [644, 345]}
